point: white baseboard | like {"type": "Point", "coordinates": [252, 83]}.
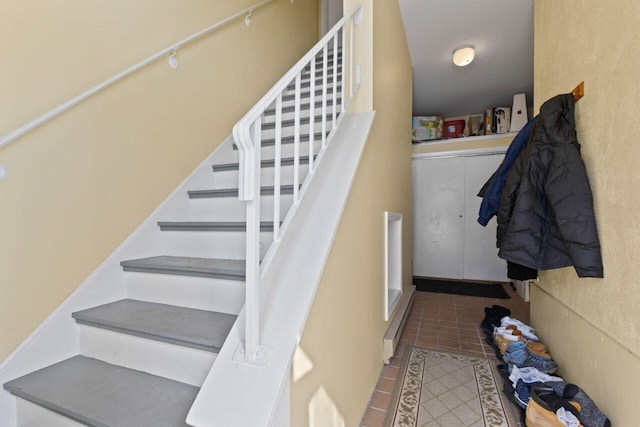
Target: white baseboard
{"type": "Point", "coordinates": [392, 336]}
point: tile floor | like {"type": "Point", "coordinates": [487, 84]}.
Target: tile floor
{"type": "Point", "coordinates": [441, 322]}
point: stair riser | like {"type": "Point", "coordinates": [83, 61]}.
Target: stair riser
{"type": "Point", "coordinates": [287, 150]}
{"type": "Point", "coordinates": [306, 75]}
{"type": "Point", "coordinates": [305, 82]}
{"type": "Point", "coordinates": [232, 209]}
{"type": "Point", "coordinates": [225, 296]}
{"type": "Point", "coordinates": [289, 130]}
{"type": "Point", "coordinates": [32, 415]}
{"type": "Point", "coordinates": [179, 363]}
{"type": "Point", "coordinates": [227, 154]}
{"type": "Point", "coordinates": [228, 179]}
{"type": "Point", "coordinates": [305, 100]}
{"type": "Point", "coordinates": [288, 94]}
{"type": "Point", "coordinates": [304, 114]}
{"type": "Point", "coordinates": [270, 114]}
{"type": "Point", "coordinates": [211, 244]}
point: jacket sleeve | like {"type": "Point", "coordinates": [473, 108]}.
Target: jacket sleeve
{"type": "Point", "coordinates": [571, 206]}
{"type": "Point", "coordinates": [490, 200]}
{"type": "Point", "coordinates": [508, 198]}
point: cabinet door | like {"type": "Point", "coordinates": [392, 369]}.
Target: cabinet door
{"type": "Point", "coordinates": [481, 260]}
{"type": "Point", "coordinates": [438, 217]}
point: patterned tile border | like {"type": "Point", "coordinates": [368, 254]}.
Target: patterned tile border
{"type": "Point", "coordinates": [406, 398]}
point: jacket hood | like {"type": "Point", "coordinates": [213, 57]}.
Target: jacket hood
{"type": "Point", "coordinates": [557, 118]}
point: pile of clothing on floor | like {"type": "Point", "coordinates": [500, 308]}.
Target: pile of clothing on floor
{"type": "Point", "coordinates": [531, 376]}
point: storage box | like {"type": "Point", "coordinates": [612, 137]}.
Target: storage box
{"type": "Point", "coordinates": [426, 128]}
{"type": "Point", "coordinates": [503, 119]}
{"type": "Point", "coordinates": [454, 128]}
{"type": "Point", "coordinates": [476, 125]}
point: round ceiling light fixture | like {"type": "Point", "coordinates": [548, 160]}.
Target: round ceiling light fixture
{"type": "Point", "coordinates": [463, 55]}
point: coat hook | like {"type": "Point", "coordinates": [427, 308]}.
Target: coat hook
{"type": "Point", "coordinates": [578, 92]}
{"type": "Point", "coordinates": [247, 19]}
{"type": "Point", "coordinates": [173, 61]}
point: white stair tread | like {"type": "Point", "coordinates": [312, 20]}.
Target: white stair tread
{"type": "Point", "coordinates": [231, 269]}
{"type": "Point", "coordinates": [100, 394]}
{"type": "Point", "coordinates": [204, 330]}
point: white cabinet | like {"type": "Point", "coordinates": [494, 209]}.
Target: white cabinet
{"type": "Point", "coordinates": [448, 241]}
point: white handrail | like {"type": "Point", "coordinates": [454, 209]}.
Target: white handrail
{"type": "Point", "coordinates": [111, 80]}
{"type": "Point", "coordinates": [247, 136]}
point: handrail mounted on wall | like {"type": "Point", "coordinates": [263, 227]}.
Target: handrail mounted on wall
{"type": "Point", "coordinates": [28, 127]}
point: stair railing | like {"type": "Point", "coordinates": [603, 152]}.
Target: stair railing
{"type": "Point", "coordinates": [247, 134]}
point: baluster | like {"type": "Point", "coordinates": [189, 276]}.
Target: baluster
{"type": "Point", "coordinates": [296, 141]}
{"type": "Point", "coordinates": [324, 96]}
{"type": "Point", "coordinates": [353, 22]}
{"type": "Point", "coordinates": [335, 81]}
{"type": "Point", "coordinates": [344, 56]}
{"type": "Point", "coordinates": [312, 112]}
{"type": "Point", "coordinates": [253, 254]}
{"type": "Point", "coordinates": [277, 170]}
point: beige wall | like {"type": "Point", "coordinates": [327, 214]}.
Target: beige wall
{"type": "Point", "coordinates": [598, 342]}
{"type": "Point", "coordinates": [343, 335]}
{"type": "Point", "coordinates": [79, 185]}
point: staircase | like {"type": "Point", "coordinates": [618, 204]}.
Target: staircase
{"type": "Point", "coordinates": [143, 358]}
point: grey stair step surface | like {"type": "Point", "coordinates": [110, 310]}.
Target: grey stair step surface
{"type": "Point", "coordinates": [307, 74]}
{"type": "Point", "coordinates": [319, 62]}
{"type": "Point", "coordinates": [100, 394]}
{"type": "Point", "coordinates": [304, 137]}
{"type": "Point", "coordinates": [209, 226]}
{"type": "Point", "coordinates": [303, 121]}
{"type": "Point", "coordinates": [319, 57]}
{"type": "Point", "coordinates": [288, 161]}
{"type": "Point", "coordinates": [306, 94]}
{"type": "Point", "coordinates": [230, 269]}
{"type": "Point", "coordinates": [204, 330]}
{"type": "Point", "coordinates": [233, 192]}
{"type": "Point", "coordinates": [303, 107]}
{"type": "Point", "coordinates": [318, 82]}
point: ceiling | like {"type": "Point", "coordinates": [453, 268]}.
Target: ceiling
{"type": "Point", "coordinates": [501, 32]}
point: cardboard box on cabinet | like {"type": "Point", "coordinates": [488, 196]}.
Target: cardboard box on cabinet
{"type": "Point", "coordinates": [426, 128]}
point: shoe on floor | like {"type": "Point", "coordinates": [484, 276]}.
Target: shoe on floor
{"type": "Point", "coordinates": [524, 358]}
{"type": "Point", "coordinates": [493, 316]}
{"type": "Point", "coordinates": [590, 414]}
{"type": "Point", "coordinates": [531, 375]}
{"type": "Point", "coordinates": [527, 331]}
{"type": "Point", "coordinates": [543, 404]}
